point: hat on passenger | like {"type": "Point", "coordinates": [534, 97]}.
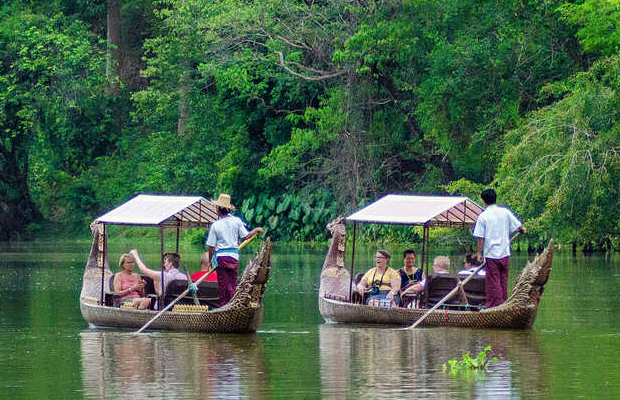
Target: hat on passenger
{"type": "Point", "coordinates": [223, 201]}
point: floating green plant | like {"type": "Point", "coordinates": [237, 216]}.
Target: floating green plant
{"type": "Point", "coordinates": [467, 363]}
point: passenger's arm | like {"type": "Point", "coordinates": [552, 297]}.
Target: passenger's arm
{"type": "Point", "coordinates": [395, 285]}
{"type": "Point", "coordinates": [480, 247]}
{"type": "Point", "coordinates": [116, 284]}
{"type": "Point", "coordinates": [416, 288]}
{"type": "Point", "coordinates": [143, 268]}
{"type": "Point", "coordinates": [362, 285]}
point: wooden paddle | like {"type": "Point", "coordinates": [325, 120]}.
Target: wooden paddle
{"type": "Point", "coordinates": [189, 279]}
{"type": "Point", "coordinates": [449, 295]}
{"type": "Point", "coordinates": [173, 302]}
{"type": "Point", "coordinates": [458, 287]}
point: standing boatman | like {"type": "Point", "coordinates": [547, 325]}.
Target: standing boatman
{"type": "Point", "coordinates": [493, 229]}
{"type": "Point", "coordinates": [223, 241]}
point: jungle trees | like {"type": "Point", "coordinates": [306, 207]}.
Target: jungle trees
{"type": "Point", "coordinates": [50, 116]}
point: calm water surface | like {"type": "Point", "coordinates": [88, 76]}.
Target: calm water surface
{"type": "Point", "coordinates": [48, 352]}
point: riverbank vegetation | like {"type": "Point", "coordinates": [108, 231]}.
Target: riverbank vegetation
{"type": "Point", "coordinates": [305, 110]}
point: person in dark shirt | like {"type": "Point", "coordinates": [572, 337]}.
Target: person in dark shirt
{"type": "Point", "coordinates": [409, 274]}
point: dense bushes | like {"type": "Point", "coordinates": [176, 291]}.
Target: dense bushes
{"type": "Point", "coordinates": [307, 110]}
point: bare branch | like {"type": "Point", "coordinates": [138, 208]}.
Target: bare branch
{"type": "Point", "coordinates": [323, 75]}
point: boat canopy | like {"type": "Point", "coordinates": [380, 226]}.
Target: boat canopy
{"type": "Point", "coordinates": [163, 211]}
{"type": "Point", "coordinates": [403, 209]}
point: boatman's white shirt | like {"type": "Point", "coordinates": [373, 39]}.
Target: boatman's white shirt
{"type": "Point", "coordinates": [226, 233]}
{"type": "Point", "coordinates": [494, 225]}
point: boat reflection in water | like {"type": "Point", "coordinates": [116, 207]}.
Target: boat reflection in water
{"type": "Point", "coordinates": [124, 365]}
{"type": "Point", "coordinates": [369, 362]}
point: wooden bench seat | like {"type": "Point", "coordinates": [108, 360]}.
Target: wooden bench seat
{"type": "Point", "coordinates": [207, 293]}
{"type": "Point", "coordinates": [472, 295]}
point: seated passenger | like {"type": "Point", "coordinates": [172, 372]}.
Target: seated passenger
{"type": "Point", "coordinates": [128, 285]}
{"type": "Point", "coordinates": [204, 267]}
{"type": "Point", "coordinates": [470, 263]}
{"type": "Point", "coordinates": [409, 274]}
{"type": "Point", "coordinates": [171, 270]}
{"type": "Point", "coordinates": [441, 265]}
{"type": "Point", "coordinates": [381, 282]}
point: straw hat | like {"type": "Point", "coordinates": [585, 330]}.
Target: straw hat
{"type": "Point", "coordinates": [223, 201]}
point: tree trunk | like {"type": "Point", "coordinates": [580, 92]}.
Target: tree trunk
{"type": "Point", "coordinates": [113, 65]}
{"type": "Point", "coordinates": [184, 99]}
{"type": "Point", "coordinates": [17, 209]}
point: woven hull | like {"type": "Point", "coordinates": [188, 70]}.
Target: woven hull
{"type": "Point", "coordinates": [234, 319]}
{"type": "Point", "coordinates": [494, 318]}
{"type": "Point", "coordinates": [242, 314]}
{"type": "Point", "coordinates": [518, 312]}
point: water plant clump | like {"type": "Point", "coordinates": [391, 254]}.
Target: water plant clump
{"type": "Point", "coordinates": [467, 363]}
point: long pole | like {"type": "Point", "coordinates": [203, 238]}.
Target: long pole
{"type": "Point", "coordinates": [425, 253]}
{"type": "Point", "coordinates": [448, 296]}
{"type": "Point", "coordinates": [161, 248]}
{"type": "Point", "coordinates": [173, 302]}
{"type": "Point", "coordinates": [102, 246]}
{"type": "Point", "coordinates": [458, 286]}
{"type": "Point", "coordinates": [352, 260]}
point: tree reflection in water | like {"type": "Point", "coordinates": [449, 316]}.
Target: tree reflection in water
{"type": "Point", "coordinates": [371, 363]}
{"type": "Point", "coordinates": [123, 365]}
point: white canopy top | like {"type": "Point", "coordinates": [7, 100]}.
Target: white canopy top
{"type": "Point", "coordinates": [162, 210]}
{"type": "Point", "coordinates": [419, 210]}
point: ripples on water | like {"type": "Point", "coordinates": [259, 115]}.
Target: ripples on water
{"type": "Point", "coordinates": [352, 362]}
{"type": "Point", "coordinates": [47, 351]}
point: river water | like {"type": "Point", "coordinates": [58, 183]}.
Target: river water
{"type": "Point", "coordinates": [47, 351]}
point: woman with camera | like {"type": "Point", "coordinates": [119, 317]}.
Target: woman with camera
{"type": "Point", "coordinates": [381, 284]}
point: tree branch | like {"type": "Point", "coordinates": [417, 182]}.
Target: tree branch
{"type": "Point", "coordinates": [323, 74]}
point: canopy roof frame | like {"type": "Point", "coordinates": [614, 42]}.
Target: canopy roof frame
{"type": "Point", "coordinates": [163, 211]}
{"type": "Point", "coordinates": [416, 210]}
{"type": "Point", "coordinates": [404, 209]}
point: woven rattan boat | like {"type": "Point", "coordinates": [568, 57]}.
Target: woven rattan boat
{"type": "Point", "coordinates": [242, 314]}
{"type": "Point", "coordinates": [335, 293]}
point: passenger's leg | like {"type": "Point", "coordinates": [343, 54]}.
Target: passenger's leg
{"type": "Point", "coordinates": [142, 303]}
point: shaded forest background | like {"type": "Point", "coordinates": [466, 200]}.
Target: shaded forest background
{"type": "Point", "coordinates": [309, 109]}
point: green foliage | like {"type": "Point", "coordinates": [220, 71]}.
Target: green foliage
{"type": "Point", "coordinates": [52, 111]}
{"type": "Point", "coordinates": [318, 106]}
{"type": "Point", "coordinates": [461, 73]}
{"type": "Point", "coordinates": [466, 363]}
{"type": "Point", "coordinates": [466, 188]}
{"type": "Point", "coordinates": [289, 217]}
{"type": "Point", "coordinates": [561, 167]}
{"type": "Point", "coordinates": [385, 235]}
{"type": "Point", "coordinates": [599, 22]}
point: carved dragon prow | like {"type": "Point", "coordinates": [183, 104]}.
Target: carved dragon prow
{"type": "Point", "coordinates": [335, 279]}
{"type": "Point", "coordinates": [97, 259]}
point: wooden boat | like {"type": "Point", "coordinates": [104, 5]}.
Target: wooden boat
{"type": "Point", "coordinates": [242, 314]}
{"type": "Point", "coordinates": [335, 293]}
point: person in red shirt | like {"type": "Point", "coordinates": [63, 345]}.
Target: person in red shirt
{"type": "Point", "coordinates": [204, 267]}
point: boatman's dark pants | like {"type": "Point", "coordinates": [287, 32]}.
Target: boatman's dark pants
{"type": "Point", "coordinates": [227, 269]}
{"type": "Point", "coordinates": [496, 281]}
